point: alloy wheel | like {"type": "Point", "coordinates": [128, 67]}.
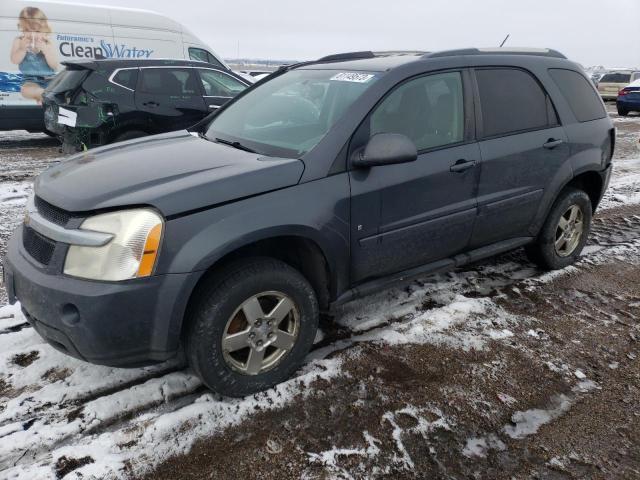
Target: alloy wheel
{"type": "Point", "coordinates": [260, 333]}
{"type": "Point", "coordinates": [569, 231]}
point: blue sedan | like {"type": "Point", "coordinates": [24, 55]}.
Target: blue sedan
{"type": "Point", "coordinates": [629, 99]}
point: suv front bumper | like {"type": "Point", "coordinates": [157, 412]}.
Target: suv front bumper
{"type": "Point", "coordinates": [123, 324]}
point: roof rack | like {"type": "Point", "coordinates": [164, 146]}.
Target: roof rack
{"type": "Point", "coordinates": [536, 52]}
{"type": "Point", "coordinates": [400, 53]}
{"type": "Point", "coordinates": [339, 57]}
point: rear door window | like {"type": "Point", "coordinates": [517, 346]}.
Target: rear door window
{"type": "Point", "coordinates": [200, 55]}
{"type": "Point", "coordinates": [169, 82]}
{"type": "Point", "coordinates": [512, 101]}
{"type": "Point", "coordinates": [583, 100]}
{"type": "Point", "coordinates": [218, 84]}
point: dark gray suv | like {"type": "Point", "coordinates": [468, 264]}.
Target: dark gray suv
{"type": "Point", "coordinates": [327, 181]}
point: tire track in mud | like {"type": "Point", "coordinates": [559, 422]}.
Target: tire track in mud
{"type": "Point", "coordinates": [615, 229]}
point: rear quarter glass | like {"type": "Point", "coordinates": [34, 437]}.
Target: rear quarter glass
{"type": "Point", "coordinates": [579, 93]}
{"type": "Point", "coordinates": [68, 80]}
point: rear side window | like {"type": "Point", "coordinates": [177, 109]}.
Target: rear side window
{"type": "Point", "coordinates": [616, 78]}
{"type": "Point", "coordinates": [512, 101]}
{"type": "Point", "coordinates": [169, 81]}
{"type": "Point", "coordinates": [583, 99]}
{"type": "Point", "coordinates": [200, 55]}
{"type": "Point", "coordinates": [126, 78]}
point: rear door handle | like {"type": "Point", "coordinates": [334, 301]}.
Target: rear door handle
{"type": "Point", "coordinates": [214, 107]}
{"type": "Point", "coordinates": [151, 104]}
{"type": "Point", "coordinates": [553, 143]}
{"type": "Point", "coordinates": [462, 165]}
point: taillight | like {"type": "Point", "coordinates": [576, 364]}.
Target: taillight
{"type": "Point", "coordinates": [623, 92]}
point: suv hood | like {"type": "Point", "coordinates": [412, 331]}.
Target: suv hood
{"type": "Point", "coordinates": [175, 172]}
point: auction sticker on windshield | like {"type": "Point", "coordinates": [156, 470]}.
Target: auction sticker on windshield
{"type": "Point", "coordinates": [352, 77]}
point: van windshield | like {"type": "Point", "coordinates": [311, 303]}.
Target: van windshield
{"type": "Point", "coordinates": [289, 115]}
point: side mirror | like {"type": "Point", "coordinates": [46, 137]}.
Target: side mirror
{"type": "Point", "coordinates": [386, 149]}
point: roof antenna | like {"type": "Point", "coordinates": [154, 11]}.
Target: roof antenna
{"type": "Point", "coordinates": [505, 40]}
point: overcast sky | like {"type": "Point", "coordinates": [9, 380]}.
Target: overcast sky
{"type": "Point", "coordinates": [592, 32]}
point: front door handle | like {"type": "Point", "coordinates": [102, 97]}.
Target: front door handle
{"type": "Point", "coordinates": [151, 104]}
{"type": "Point", "coordinates": [462, 165]}
{"type": "Point", "coordinates": [553, 143]}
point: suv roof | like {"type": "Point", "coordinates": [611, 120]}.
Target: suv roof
{"type": "Point", "coordinates": [382, 61]}
{"type": "Point", "coordinates": [132, 63]}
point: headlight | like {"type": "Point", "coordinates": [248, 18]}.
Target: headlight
{"type": "Point", "coordinates": [130, 254]}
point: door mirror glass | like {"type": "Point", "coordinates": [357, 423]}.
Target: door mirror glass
{"type": "Point", "coordinates": [386, 149]}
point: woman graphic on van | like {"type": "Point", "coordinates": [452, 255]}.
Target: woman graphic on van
{"type": "Point", "coordinates": [34, 53]}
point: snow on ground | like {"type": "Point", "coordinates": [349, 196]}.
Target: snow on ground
{"type": "Point", "coordinates": [123, 422]}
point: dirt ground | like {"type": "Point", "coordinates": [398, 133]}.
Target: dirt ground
{"type": "Point", "coordinates": [496, 371]}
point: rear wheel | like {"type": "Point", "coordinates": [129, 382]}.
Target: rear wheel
{"type": "Point", "coordinates": [251, 326]}
{"type": "Point", "coordinates": [622, 112]}
{"type": "Point", "coordinates": [565, 231]}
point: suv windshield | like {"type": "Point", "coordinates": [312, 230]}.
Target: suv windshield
{"type": "Point", "coordinates": [288, 115]}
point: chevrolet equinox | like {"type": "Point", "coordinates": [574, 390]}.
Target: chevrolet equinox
{"type": "Point", "coordinates": [324, 182]}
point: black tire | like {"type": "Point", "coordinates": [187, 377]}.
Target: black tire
{"type": "Point", "coordinates": [543, 252]}
{"type": "Point", "coordinates": [622, 112]}
{"type": "Point", "coordinates": [130, 135]}
{"type": "Point", "coordinates": [214, 305]}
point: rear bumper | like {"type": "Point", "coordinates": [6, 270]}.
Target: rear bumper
{"type": "Point", "coordinates": [629, 104]}
{"type": "Point", "coordinates": [124, 324]}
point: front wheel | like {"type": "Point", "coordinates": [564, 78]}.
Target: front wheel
{"type": "Point", "coordinates": [564, 233]}
{"type": "Point", "coordinates": [251, 326]}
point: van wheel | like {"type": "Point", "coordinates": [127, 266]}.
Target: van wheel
{"type": "Point", "coordinates": [251, 326]}
{"type": "Point", "coordinates": [564, 233]}
{"type": "Point", "coordinates": [130, 135]}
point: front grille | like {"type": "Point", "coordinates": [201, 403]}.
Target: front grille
{"type": "Point", "coordinates": [51, 213]}
{"type": "Point", "coordinates": [39, 247]}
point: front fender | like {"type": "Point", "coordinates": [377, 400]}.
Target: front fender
{"type": "Point", "coordinates": [318, 211]}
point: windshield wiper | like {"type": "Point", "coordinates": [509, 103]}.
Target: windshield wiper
{"type": "Point", "coordinates": [237, 145]}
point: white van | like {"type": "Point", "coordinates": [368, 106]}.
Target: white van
{"type": "Point", "coordinates": [36, 36]}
